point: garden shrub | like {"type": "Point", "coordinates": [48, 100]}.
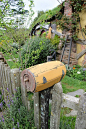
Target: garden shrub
{"type": "Point", "coordinates": [16, 115]}
{"type": "Point", "coordinates": [55, 41]}
{"type": "Point", "coordinates": [36, 50]}
{"type": "Point", "coordinates": [20, 36]}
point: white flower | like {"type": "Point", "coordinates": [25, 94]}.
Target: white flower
{"type": "Point", "coordinates": [78, 72]}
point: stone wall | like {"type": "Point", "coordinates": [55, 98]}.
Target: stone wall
{"type": "Point", "coordinates": [68, 8]}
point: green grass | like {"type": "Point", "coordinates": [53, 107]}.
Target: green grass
{"type": "Point", "coordinates": [70, 84]}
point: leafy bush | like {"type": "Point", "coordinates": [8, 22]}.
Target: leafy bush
{"type": "Point", "coordinates": [17, 116]}
{"type": "Point", "coordinates": [20, 36]}
{"type": "Point", "coordinates": [77, 72]}
{"type": "Point", "coordinates": [55, 41]}
{"type": "Point", "coordinates": [36, 51]}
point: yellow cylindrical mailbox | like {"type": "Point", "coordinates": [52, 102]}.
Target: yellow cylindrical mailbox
{"type": "Point", "coordinates": [43, 76]}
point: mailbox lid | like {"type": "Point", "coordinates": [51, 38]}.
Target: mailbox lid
{"type": "Point", "coordinates": [49, 78]}
{"type": "Point", "coordinates": [44, 67]}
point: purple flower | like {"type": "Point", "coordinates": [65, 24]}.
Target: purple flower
{"type": "Point", "coordinates": [19, 68]}
{"type": "Point", "coordinates": [12, 101]}
{"type": "Point", "coordinates": [0, 120]}
{"type": "Point", "coordinates": [13, 128]}
{"type": "Point", "coordinates": [84, 69]}
{"type": "Point", "coordinates": [7, 97]}
{"type": "Point", "coordinates": [8, 105]}
{"type": "Point", "coordinates": [1, 105]}
{"type": "Point", "coordinates": [15, 90]}
{"type": "Point", "coordinates": [0, 96]}
{"type": "Point", "coordinates": [7, 89]}
{"type": "Point", "coordinates": [12, 95]}
{"type": "Point", "coordinates": [3, 119]}
{"type": "Point", "coordinates": [18, 124]}
{"type": "Point", "coordinates": [12, 119]}
{"type": "Point", "coordinates": [7, 100]}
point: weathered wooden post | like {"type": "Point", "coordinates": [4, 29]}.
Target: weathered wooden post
{"type": "Point", "coordinates": [56, 106]}
{"type": "Point", "coordinates": [0, 75]}
{"type": "Point", "coordinates": [15, 79]}
{"type": "Point", "coordinates": [81, 115]}
{"type": "Point", "coordinates": [39, 79]}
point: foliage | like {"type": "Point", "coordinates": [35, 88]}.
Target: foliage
{"type": "Point", "coordinates": [77, 72]}
{"type": "Point", "coordinates": [37, 50]}
{"type": "Point", "coordinates": [9, 10]}
{"type": "Point", "coordinates": [55, 41]}
{"type": "Point", "coordinates": [66, 122]}
{"type": "Point", "coordinates": [12, 37]}
{"type": "Point", "coordinates": [71, 24]}
{"type": "Point", "coordinates": [19, 36]}
{"type": "Point", "coordinates": [17, 116]}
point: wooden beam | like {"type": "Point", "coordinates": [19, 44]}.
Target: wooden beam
{"type": "Point", "coordinates": [81, 54]}
{"type": "Point", "coordinates": [82, 42]}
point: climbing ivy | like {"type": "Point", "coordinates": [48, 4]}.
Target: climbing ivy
{"type": "Point", "coordinates": [71, 24]}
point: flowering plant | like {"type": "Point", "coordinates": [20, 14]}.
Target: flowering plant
{"type": "Point", "coordinates": [16, 115]}
{"type": "Point", "coordinates": [77, 72]}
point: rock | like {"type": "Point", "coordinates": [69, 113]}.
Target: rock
{"type": "Point", "coordinates": [78, 92]}
{"type": "Point", "coordinates": [72, 113]}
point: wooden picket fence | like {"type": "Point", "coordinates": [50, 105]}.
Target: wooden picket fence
{"type": "Point", "coordinates": [9, 78]}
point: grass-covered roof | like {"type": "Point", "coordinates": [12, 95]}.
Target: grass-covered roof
{"type": "Point", "coordinates": [46, 16]}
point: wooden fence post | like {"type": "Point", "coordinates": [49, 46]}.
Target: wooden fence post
{"type": "Point", "coordinates": [24, 96]}
{"type": "Point", "coordinates": [81, 115]}
{"type": "Point", "coordinates": [9, 80]}
{"type": "Point", "coordinates": [15, 79]}
{"type": "Point", "coordinates": [56, 106]}
{"type": "Point", "coordinates": [37, 110]}
{"type": "Point", "coordinates": [0, 74]}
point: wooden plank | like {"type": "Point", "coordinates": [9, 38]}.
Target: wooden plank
{"type": "Point", "coordinates": [81, 114]}
{"type": "Point", "coordinates": [0, 76]}
{"type": "Point", "coordinates": [81, 54]}
{"type": "Point", "coordinates": [24, 96]}
{"type": "Point", "coordinates": [56, 106]}
{"type": "Point", "coordinates": [37, 119]}
{"type": "Point", "coordinates": [82, 42]}
{"type": "Point", "coordinates": [15, 78]}
{"type": "Point", "coordinates": [9, 80]}
{"type": "Point", "coordinates": [70, 101]}
{"type": "Point", "coordinates": [5, 84]}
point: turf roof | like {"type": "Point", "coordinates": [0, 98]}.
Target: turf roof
{"type": "Point", "coordinates": [47, 15]}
